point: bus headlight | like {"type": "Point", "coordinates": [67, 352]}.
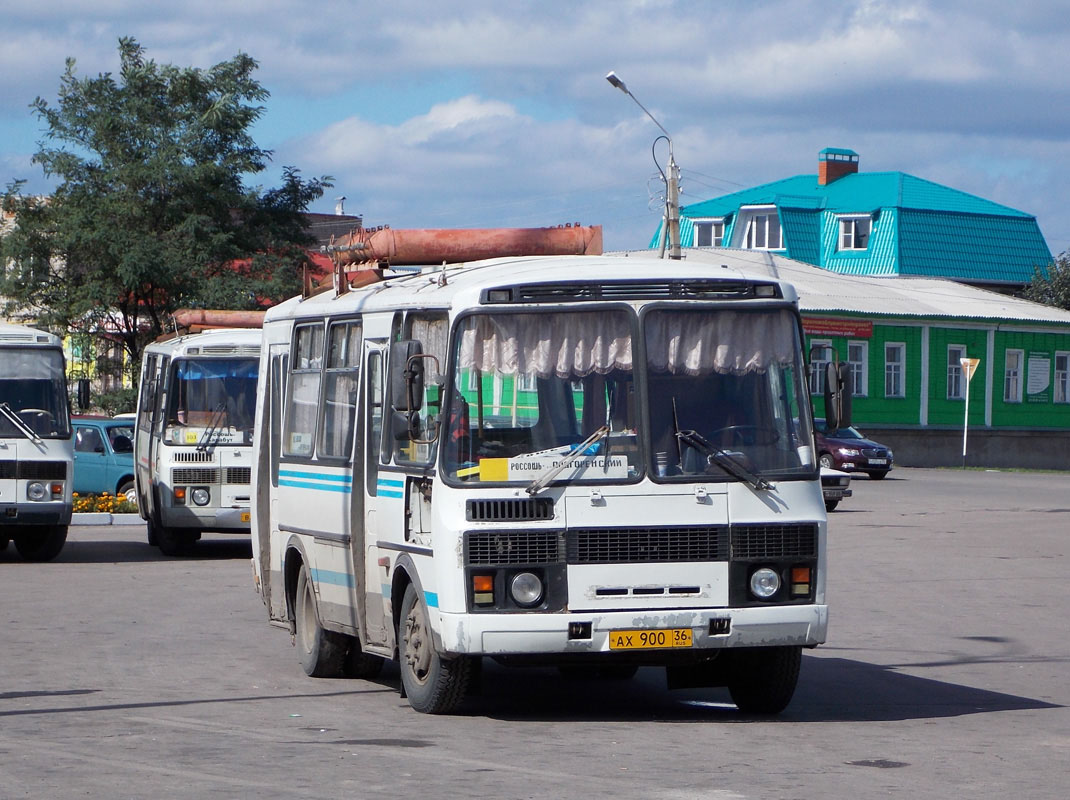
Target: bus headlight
{"type": "Point", "coordinates": [36, 491]}
{"type": "Point", "coordinates": [764, 583]}
{"type": "Point", "coordinates": [200, 496]}
{"type": "Point", "coordinates": [526, 589]}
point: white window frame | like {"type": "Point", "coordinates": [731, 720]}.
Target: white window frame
{"type": "Point", "coordinates": [1012, 376]}
{"type": "Point", "coordinates": [849, 234]}
{"type": "Point", "coordinates": [859, 369]}
{"type": "Point", "coordinates": [818, 364]}
{"type": "Point", "coordinates": [716, 230]}
{"type": "Point", "coordinates": [956, 388]}
{"type": "Point", "coordinates": [1061, 390]}
{"type": "Point", "coordinates": [894, 371]}
{"type": "Point", "coordinates": [753, 221]}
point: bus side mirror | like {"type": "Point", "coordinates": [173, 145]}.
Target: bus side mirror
{"type": "Point", "coordinates": [406, 375]}
{"type": "Point", "coordinates": [83, 393]}
{"type": "Point", "coordinates": [838, 391]}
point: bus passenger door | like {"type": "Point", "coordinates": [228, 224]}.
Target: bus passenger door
{"type": "Point", "coordinates": [372, 578]}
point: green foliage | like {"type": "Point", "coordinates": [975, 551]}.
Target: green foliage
{"type": "Point", "coordinates": [151, 213]}
{"type": "Point", "coordinates": [121, 401]}
{"type": "Point", "coordinates": [1051, 286]}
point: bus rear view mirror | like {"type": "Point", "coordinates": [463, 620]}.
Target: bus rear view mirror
{"type": "Point", "coordinates": [406, 375]}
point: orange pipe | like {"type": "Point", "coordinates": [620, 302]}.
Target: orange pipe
{"type": "Point", "coordinates": [452, 245]}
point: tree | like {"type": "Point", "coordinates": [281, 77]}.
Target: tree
{"type": "Point", "coordinates": [151, 213]}
{"type": "Point", "coordinates": [1051, 286]}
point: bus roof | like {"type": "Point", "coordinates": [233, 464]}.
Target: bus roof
{"type": "Point", "coordinates": [20, 334]}
{"type": "Point", "coordinates": [214, 343]}
{"type": "Point", "coordinates": [462, 285]}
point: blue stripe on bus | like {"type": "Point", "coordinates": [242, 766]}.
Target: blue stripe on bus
{"type": "Point", "coordinates": [318, 486]}
{"type": "Point", "coordinates": [387, 487]}
{"type": "Point", "coordinates": [332, 577]}
{"type": "Point", "coordinates": [431, 598]}
{"type": "Point", "coordinates": [318, 476]}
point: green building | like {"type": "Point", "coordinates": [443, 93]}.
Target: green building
{"type": "Point", "coordinates": [905, 339]}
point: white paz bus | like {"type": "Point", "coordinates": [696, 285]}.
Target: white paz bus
{"type": "Point", "coordinates": [36, 451]}
{"type": "Point", "coordinates": [595, 462]}
{"type": "Point", "coordinates": [193, 436]}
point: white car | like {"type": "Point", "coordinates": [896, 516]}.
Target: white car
{"type": "Point", "coordinates": [835, 486]}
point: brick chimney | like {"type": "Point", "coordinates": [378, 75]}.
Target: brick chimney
{"type": "Point", "coordinates": [835, 162]}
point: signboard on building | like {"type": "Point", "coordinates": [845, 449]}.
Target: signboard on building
{"type": "Point", "coordinates": [1038, 378]}
{"type": "Point", "coordinates": [849, 328]}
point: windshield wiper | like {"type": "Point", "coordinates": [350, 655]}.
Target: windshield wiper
{"type": "Point", "coordinates": [213, 426]}
{"type": "Point", "coordinates": [723, 459]}
{"type": "Point", "coordinates": [26, 430]}
{"type": "Point", "coordinates": [542, 480]}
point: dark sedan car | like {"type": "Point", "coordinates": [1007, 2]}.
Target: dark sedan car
{"type": "Point", "coordinates": [848, 450]}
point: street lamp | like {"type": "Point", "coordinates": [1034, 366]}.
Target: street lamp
{"type": "Point", "coordinates": [671, 223]}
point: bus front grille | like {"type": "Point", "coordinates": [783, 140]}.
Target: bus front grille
{"type": "Point", "coordinates": [7, 470]}
{"type": "Point", "coordinates": [242, 475]}
{"type": "Point", "coordinates": [187, 475]}
{"type": "Point", "coordinates": [646, 545]}
{"type": "Point", "coordinates": [506, 548]}
{"type": "Point", "coordinates": [510, 509]}
{"type": "Point", "coordinates": [755, 542]}
{"type": "Point", "coordinates": [42, 470]}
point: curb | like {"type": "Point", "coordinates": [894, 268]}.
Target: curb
{"type": "Point", "coordinates": [100, 518]}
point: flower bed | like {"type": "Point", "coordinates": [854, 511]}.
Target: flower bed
{"type": "Point", "coordinates": [104, 503]}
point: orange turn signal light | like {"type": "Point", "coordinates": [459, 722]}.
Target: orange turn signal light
{"type": "Point", "coordinates": [483, 583]}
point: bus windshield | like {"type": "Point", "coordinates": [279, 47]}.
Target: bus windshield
{"type": "Point", "coordinates": [33, 388]}
{"type": "Point", "coordinates": [725, 397]}
{"type": "Point", "coordinates": [530, 388]}
{"type": "Point", "coordinates": [216, 393]}
{"type": "Point", "coordinates": [727, 394]}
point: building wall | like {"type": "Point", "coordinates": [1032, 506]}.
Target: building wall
{"type": "Point", "coordinates": [926, 404]}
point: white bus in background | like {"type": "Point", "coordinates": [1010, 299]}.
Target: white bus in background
{"type": "Point", "coordinates": [595, 462]}
{"type": "Point", "coordinates": [193, 435]}
{"type": "Point", "coordinates": [36, 450]}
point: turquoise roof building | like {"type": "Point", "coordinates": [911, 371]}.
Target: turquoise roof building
{"type": "Point", "coordinates": [877, 223]}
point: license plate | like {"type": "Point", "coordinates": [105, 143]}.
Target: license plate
{"type": "Point", "coordinates": [245, 516]}
{"type": "Point", "coordinates": [880, 461]}
{"type": "Point", "coordinates": [650, 640]}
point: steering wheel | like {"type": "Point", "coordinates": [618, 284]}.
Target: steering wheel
{"type": "Point", "coordinates": [749, 434]}
{"type": "Point", "coordinates": [38, 412]}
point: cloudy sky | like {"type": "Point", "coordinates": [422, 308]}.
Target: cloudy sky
{"type": "Point", "coordinates": [430, 113]}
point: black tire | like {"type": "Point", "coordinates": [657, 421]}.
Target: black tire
{"type": "Point", "coordinates": [153, 531]}
{"type": "Point", "coordinates": [830, 505]}
{"type": "Point", "coordinates": [174, 541]}
{"type": "Point", "coordinates": [877, 476]}
{"type": "Point", "coordinates": [42, 544]}
{"type": "Point", "coordinates": [127, 491]}
{"type": "Point", "coordinates": [826, 461]}
{"type": "Point", "coordinates": [763, 679]}
{"type": "Point", "coordinates": [321, 652]}
{"type": "Point", "coordinates": [433, 684]}
{"type": "Point", "coordinates": [359, 664]}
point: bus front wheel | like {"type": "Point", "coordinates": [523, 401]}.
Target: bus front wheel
{"type": "Point", "coordinates": [763, 679]}
{"type": "Point", "coordinates": [321, 652]}
{"type": "Point", "coordinates": [433, 684]}
{"type": "Point", "coordinates": [42, 544]}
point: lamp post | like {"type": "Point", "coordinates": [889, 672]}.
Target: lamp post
{"type": "Point", "coordinates": [671, 224]}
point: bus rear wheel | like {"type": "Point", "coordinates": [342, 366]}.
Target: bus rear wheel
{"type": "Point", "coordinates": [322, 653]}
{"type": "Point", "coordinates": [763, 679]}
{"type": "Point", "coordinates": [42, 544]}
{"type": "Point", "coordinates": [433, 684]}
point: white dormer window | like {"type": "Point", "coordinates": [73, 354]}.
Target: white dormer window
{"type": "Point", "coordinates": [854, 232]}
{"type": "Point", "coordinates": [761, 230]}
{"type": "Point", "coordinates": [709, 232]}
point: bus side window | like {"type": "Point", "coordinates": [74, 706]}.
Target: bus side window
{"type": "Point", "coordinates": [148, 379]}
{"type": "Point", "coordinates": [375, 418]}
{"type": "Point", "coordinates": [341, 383]}
{"type": "Point", "coordinates": [278, 375]}
{"type": "Point", "coordinates": [303, 388]}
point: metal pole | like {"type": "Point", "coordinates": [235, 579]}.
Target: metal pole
{"type": "Point", "coordinates": [672, 213]}
{"type": "Point", "coordinates": [966, 416]}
